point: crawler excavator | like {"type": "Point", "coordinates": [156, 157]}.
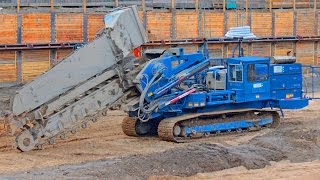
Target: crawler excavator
{"type": "Point", "coordinates": [176, 96]}
{"type": "Point", "coordinates": [186, 96]}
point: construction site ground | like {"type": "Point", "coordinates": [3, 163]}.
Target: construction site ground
{"type": "Point", "coordinates": [103, 151]}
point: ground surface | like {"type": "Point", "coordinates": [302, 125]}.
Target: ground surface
{"type": "Point", "coordinates": [103, 151]}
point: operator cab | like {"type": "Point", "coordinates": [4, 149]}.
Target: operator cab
{"type": "Point", "coordinates": [249, 78]}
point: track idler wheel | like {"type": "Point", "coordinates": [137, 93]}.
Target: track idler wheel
{"type": "Point", "coordinates": [129, 126]}
{"type": "Point", "coordinates": [134, 127]}
{"type": "Point", "coordinates": [25, 141]}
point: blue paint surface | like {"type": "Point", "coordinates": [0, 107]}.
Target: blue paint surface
{"type": "Point", "coordinates": [221, 127]}
{"type": "Point", "coordinates": [251, 82]}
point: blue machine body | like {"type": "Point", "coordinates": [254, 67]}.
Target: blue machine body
{"type": "Point", "coordinates": [173, 85]}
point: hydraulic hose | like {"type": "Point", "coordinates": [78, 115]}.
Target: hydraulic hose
{"type": "Point", "coordinates": [142, 109]}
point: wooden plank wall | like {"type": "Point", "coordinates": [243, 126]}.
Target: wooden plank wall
{"type": "Point", "coordinates": [69, 27]}
{"type": "Point", "coordinates": [187, 24]}
{"type": "Point", "coordinates": [159, 25]}
{"type": "Point", "coordinates": [282, 48]}
{"type": "Point", "coordinates": [216, 50]}
{"type": "Point", "coordinates": [212, 24]}
{"type": "Point", "coordinates": [305, 23]}
{"type": "Point", "coordinates": [34, 63]}
{"type": "Point", "coordinates": [305, 52]}
{"type": "Point", "coordinates": [261, 49]}
{"type": "Point", "coordinates": [261, 23]}
{"type": "Point", "coordinates": [8, 66]}
{"type": "Point", "coordinates": [283, 23]}
{"type": "Point", "coordinates": [95, 24]}
{"type": "Point", "coordinates": [8, 28]}
{"type": "Point", "coordinates": [281, 4]}
{"type": "Point", "coordinates": [236, 18]}
{"type": "Point", "coordinates": [62, 53]}
{"type": "Point", "coordinates": [231, 47]}
{"type": "Point", "coordinates": [36, 28]}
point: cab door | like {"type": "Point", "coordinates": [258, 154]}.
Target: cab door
{"type": "Point", "coordinates": [236, 81]}
{"type": "Point", "coordinates": [257, 86]}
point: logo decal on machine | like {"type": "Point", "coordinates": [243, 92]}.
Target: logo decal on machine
{"type": "Point", "coordinates": [257, 85]}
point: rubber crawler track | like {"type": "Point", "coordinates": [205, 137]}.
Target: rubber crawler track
{"type": "Point", "coordinates": [129, 126]}
{"type": "Point", "coordinates": [165, 128]}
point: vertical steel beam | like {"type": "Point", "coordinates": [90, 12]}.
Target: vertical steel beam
{"type": "Point", "coordinates": [294, 31]}
{"type": "Point", "coordinates": [173, 12]}
{"type": "Point", "coordinates": [19, 28]}
{"type": "Point", "coordinates": [294, 4]}
{"type": "Point", "coordinates": [116, 2]}
{"type": "Point", "coordinates": [273, 49]}
{"type": "Point", "coordinates": [273, 45]}
{"type": "Point", "coordinates": [19, 66]}
{"type": "Point", "coordinates": [224, 5]}
{"type": "Point", "coordinates": [53, 56]}
{"type": "Point", "coordinates": [53, 27]}
{"type": "Point", "coordinates": [19, 41]}
{"type": "Point", "coordinates": [199, 13]}
{"type": "Point", "coordinates": [315, 4]}
{"type": "Point", "coordinates": [85, 28]}
{"type": "Point", "coordinates": [53, 52]}
{"type": "Point", "coordinates": [144, 14]}
{"type": "Point", "coordinates": [250, 49]}
{"type": "Point", "coordinates": [225, 22]}
{"type": "Point", "coordinates": [270, 5]}
{"type": "Point", "coordinates": [225, 51]}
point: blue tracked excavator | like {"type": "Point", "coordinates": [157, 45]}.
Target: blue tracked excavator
{"type": "Point", "coordinates": [184, 96]}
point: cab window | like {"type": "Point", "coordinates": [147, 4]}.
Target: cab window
{"type": "Point", "coordinates": [236, 73]}
{"type": "Point", "coordinates": [257, 72]}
